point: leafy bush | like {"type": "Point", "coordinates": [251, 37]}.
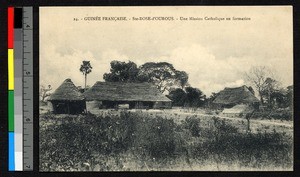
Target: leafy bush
{"type": "Point", "coordinates": [222, 128]}
{"type": "Point", "coordinates": [224, 143]}
{"type": "Point", "coordinates": [193, 124]}
{"type": "Point", "coordinates": [80, 138]}
{"type": "Point", "coordinates": [155, 137]}
{"type": "Point", "coordinates": [90, 142]}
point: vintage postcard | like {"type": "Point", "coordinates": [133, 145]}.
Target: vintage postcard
{"type": "Point", "coordinates": [166, 88]}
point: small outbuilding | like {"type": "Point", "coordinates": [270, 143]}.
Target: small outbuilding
{"type": "Point", "coordinates": [230, 97]}
{"type": "Point", "coordinates": [125, 95]}
{"type": "Point", "coordinates": [67, 99]}
{"type": "Point", "coordinates": [239, 110]}
{"type": "Point", "coordinates": [236, 101]}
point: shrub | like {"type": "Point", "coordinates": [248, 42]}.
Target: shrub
{"type": "Point", "coordinates": [222, 128]}
{"type": "Point", "coordinates": [250, 150]}
{"type": "Point", "coordinates": [113, 133]}
{"type": "Point", "coordinates": [155, 137]}
{"type": "Point", "coordinates": [88, 142]}
{"type": "Point", "coordinates": [193, 125]}
{"type": "Point", "coordinates": [79, 138]}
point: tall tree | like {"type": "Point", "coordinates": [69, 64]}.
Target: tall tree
{"type": "Point", "coordinates": [257, 77]}
{"type": "Point", "coordinates": [45, 92]}
{"type": "Point", "coordinates": [270, 91]}
{"type": "Point", "coordinates": [210, 99]}
{"type": "Point", "coordinates": [278, 99]}
{"type": "Point", "coordinates": [123, 72]}
{"type": "Point", "coordinates": [85, 68]}
{"type": "Point", "coordinates": [181, 78]}
{"type": "Point", "coordinates": [164, 75]}
{"type": "Point", "coordinates": [178, 97]}
{"type": "Point", "coordinates": [194, 97]}
{"type": "Point", "coordinates": [289, 101]}
{"type": "Point", "coordinates": [283, 97]}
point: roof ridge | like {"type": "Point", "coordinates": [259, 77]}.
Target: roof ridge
{"type": "Point", "coordinates": [143, 91]}
{"type": "Point", "coordinates": [67, 91]}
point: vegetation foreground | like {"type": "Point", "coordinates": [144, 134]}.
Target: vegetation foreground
{"type": "Point", "coordinates": [130, 141]}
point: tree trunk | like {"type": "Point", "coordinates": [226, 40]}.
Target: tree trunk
{"type": "Point", "coordinates": [84, 82]}
{"type": "Point", "coordinates": [248, 124]}
{"type": "Point", "coordinates": [261, 98]}
{"type": "Point", "coordinates": [269, 98]}
{"type": "Point", "coordinates": [43, 96]}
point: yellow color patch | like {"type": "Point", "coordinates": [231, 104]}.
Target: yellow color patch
{"type": "Point", "coordinates": [11, 71]}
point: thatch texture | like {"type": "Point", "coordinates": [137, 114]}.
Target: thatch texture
{"type": "Point", "coordinates": [236, 95]}
{"type": "Point", "coordinates": [119, 91]}
{"type": "Point", "coordinates": [238, 109]}
{"type": "Point", "coordinates": [67, 91]}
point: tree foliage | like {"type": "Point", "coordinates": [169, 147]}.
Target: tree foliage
{"type": "Point", "coordinates": [178, 97]}
{"type": "Point", "coordinates": [85, 68]}
{"type": "Point", "coordinates": [210, 99]}
{"type": "Point", "coordinates": [281, 98]}
{"type": "Point", "coordinates": [289, 96]}
{"type": "Point", "coordinates": [190, 97]}
{"type": "Point", "coordinates": [270, 90]}
{"type": "Point", "coordinates": [123, 72]}
{"type": "Point", "coordinates": [194, 97]}
{"type": "Point", "coordinates": [45, 92]}
{"type": "Point", "coordinates": [164, 75]}
{"type": "Point", "coordinates": [181, 78]}
{"type": "Point", "coordinates": [257, 76]}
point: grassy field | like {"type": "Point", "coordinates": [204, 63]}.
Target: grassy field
{"type": "Point", "coordinates": [176, 140]}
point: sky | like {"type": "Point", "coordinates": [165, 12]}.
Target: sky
{"type": "Point", "coordinates": [214, 53]}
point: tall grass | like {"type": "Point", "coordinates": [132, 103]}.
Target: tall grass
{"type": "Point", "coordinates": [129, 141]}
{"type": "Point", "coordinates": [223, 143]}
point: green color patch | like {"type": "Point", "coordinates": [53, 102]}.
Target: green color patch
{"type": "Point", "coordinates": [11, 110]}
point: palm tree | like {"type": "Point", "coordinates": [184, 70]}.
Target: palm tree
{"type": "Point", "coordinates": [85, 68]}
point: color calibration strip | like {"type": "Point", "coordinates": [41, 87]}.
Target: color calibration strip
{"type": "Point", "coordinates": [11, 134]}
{"type": "Point", "coordinates": [20, 87]}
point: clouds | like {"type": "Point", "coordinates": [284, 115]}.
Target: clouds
{"type": "Point", "coordinates": [207, 72]}
{"type": "Point", "coordinates": [55, 66]}
{"type": "Point", "coordinates": [214, 54]}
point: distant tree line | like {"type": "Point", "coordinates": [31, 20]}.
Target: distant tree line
{"type": "Point", "coordinates": [187, 97]}
{"type": "Point", "coordinates": [272, 95]}
{"type": "Point", "coordinates": [162, 74]}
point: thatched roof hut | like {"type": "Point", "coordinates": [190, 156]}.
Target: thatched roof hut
{"type": "Point", "coordinates": [136, 94]}
{"type": "Point", "coordinates": [67, 99]}
{"type": "Point", "coordinates": [66, 91]}
{"type": "Point", "coordinates": [234, 96]}
{"type": "Point", "coordinates": [116, 91]}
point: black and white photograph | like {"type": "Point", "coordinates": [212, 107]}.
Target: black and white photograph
{"type": "Point", "coordinates": [166, 88]}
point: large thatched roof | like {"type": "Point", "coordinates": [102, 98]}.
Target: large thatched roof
{"type": "Point", "coordinates": [66, 91]}
{"type": "Point", "coordinates": [235, 96]}
{"type": "Point", "coordinates": [119, 91]}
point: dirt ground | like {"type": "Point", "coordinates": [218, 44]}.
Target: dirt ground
{"type": "Point", "coordinates": [178, 115]}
